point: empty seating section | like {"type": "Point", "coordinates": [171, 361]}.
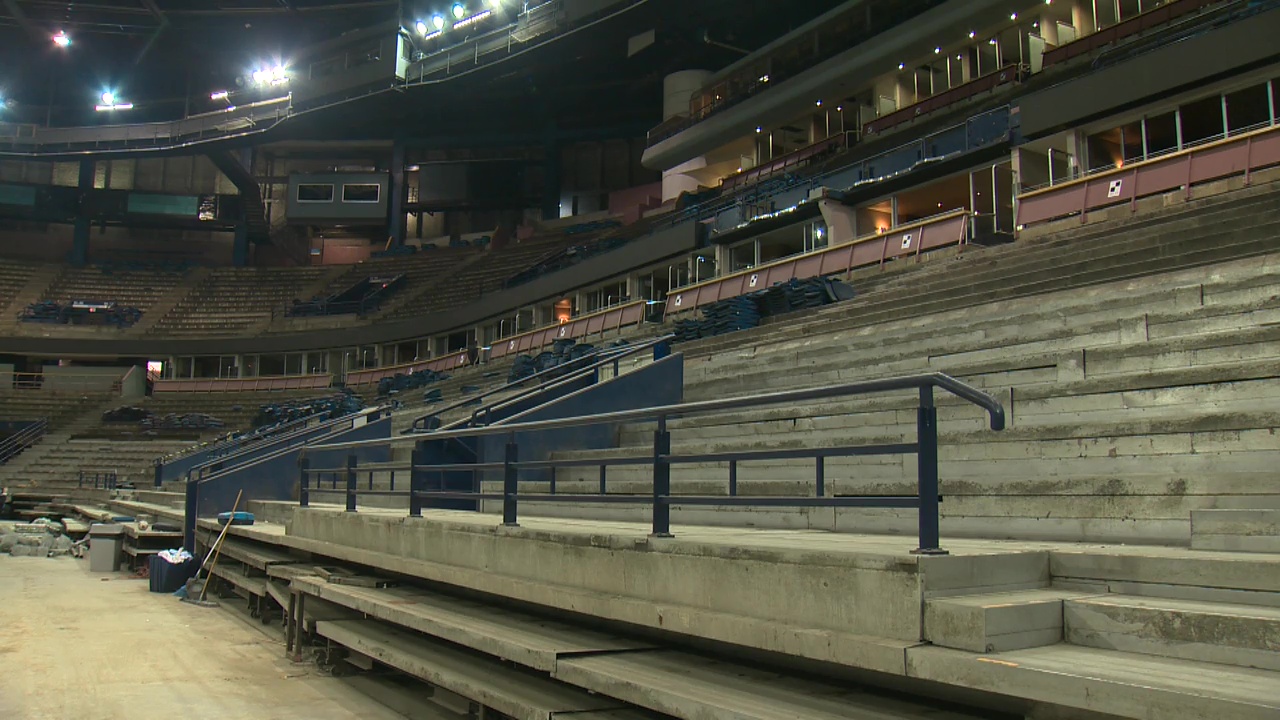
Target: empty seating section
{"type": "Point", "coordinates": [237, 301]}
{"type": "Point", "coordinates": [421, 272]}
{"type": "Point", "coordinates": [482, 277]}
{"type": "Point", "coordinates": [14, 275]}
{"type": "Point", "coordinates": [1140, 386]}
{"type": "Point", "coordinates": [137, 288]}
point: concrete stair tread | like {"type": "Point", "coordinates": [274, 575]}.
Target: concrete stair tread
{"type": "Point", "coordinates": [1218, 632]}
{"type": "Point", "coordinates": [520, 695]}
{"type": "Point", "coordinates": [1121, 683]}
{"type": "Point", "coordinates": [690, 686]}
{"type": "Point", "coordinates": [1001, 621]}
{"type": "Point", "coordinates": [1271, 614]}
{"type": "Point", "coordinates": [525, 639]}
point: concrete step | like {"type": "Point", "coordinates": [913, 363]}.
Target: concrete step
{"type": "Point", "coordinates": [1116, 684]}
{"type": "Point", "coordinates": [997, 622]}
{"type": "Point", "coordinates": [1243, 635]}
{"type": "Point", "coordinates": [1246, 530]}
{"type": "Point", "coordinates": [688, 686]}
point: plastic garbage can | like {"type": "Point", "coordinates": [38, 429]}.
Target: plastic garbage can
{"type": "Point", "coordinates": [106, 547]}
{"type": "Point", "coordinates": [167, 577]}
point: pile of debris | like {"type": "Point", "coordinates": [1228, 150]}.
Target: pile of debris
{"type": "Point", "coordinates": [39, 538]}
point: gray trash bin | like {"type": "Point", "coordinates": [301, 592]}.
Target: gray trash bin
{"type": "Point", "coordinates": [106, 546]}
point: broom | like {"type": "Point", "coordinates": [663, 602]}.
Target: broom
{"type": "Point", "coordinates": [214, 552]}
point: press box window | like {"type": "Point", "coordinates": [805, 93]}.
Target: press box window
{"type": "Point", "coordinates": [361, 193]}
{"type": "Point", "coordinates": [314, 193]}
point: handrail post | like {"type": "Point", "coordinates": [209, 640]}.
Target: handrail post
{"type": "Point", "coordinates": [661, 480]}
{"type": "Point", "coordinates": [510, 484]}
{"type": "Point", "coordinates": [417, 479]}
{"type": "Point", "coordinates": [304, 482]}
{"type": "Point", "coordinates": [351, 482]}
{"type": "Point", "coordinates": [927, 473]}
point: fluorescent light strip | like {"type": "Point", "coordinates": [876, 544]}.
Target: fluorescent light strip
{"type": "Point", "coordinates": [473, 19]}
{"type": "Point", "coordinates": [117, 106]}
{"type": "Point", "coordinates": [433, 34]}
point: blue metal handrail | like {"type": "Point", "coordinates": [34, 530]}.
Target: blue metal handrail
{"type": "Point", "coordinates": [13, 445]}
{"type": "Point", "coordinates": [544, 377]}
{"type": "Point", "coordinates": [284, 441]}
{"type": "Point", "coordinates": [606, 357]}
{"type": "Point", "coordinates": [926, 499]}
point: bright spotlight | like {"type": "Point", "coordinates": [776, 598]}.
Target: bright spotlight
{"type": "Point", "coordinates": [261, 76]}
{"type": "Point", "coordinates": [219, 95]}
{"type": "Point", "coordinates": [437, 21]}
{"type": "Point", "coordinates": [108, 98]}
{"type": "Point", "coordinates": [421, 27]}
{"type": "Point", "coordinates": [458, 11]}
{"type": "Point", "coordinates": [278, 75]}
{"type": "Point", "coordinates": [61, 39]}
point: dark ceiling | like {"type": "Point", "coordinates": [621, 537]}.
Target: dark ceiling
{"type": "Point", "coordinates": [167, 55]}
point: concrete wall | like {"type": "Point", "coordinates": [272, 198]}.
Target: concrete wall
{"type": "Point", "coordinates": [72, 378]}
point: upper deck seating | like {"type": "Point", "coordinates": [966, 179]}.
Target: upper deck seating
{"type": "Point", "coordinates": [236, 301]}
{"type": "Point", "coordinates": [484, 276]}
{"type": "Point", "coordinates": [136, 286]}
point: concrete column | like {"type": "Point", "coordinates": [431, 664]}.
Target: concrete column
{"type": "Point", "coordinates": [396, 189]}
{"type": "Point", "coordinates": [1082, 17]}
{"type": "Point", "coordinates": [1049, 29]}
{"type": "Point", "coordinates": [678, 89]}
{"type": "Point", "coordinates": [841, 225]}
{"type": "Point", "coordinates": [1074, 147]}
{"type": "Point", "coordinates": [678, 179]}
{"type": "Point", "coordinates": [80, 235]}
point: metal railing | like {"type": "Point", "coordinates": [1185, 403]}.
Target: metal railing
{"type": "Point", "coordinates": [545, 380]}
{"type": "Point", "coordinates": [925, 500]}
{"type": "Point", "coordinates": [270, 445]}
{"type": "Point", "coordinates": [99, 479]}
{"type": "Point", "coordinates": [242, 441]}
{"type": "Point", "coordinates": [13, 445]}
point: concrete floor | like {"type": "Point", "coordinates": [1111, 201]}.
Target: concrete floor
{"type": "Point", "coordinates": [80, 645]}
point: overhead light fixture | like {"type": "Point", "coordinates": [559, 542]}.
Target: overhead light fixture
{"type": "Point", "coordinates": [437, 21]}
{"type": "Point", "coordinates": [473, 19]}
{"type": "Point", "coordinates": [972, 34]}
{"type": "Point", "coordinates": [219, 95]}
{"type": "Point", "coordinates": [61, 39]}
{"type": "Point", "coordinates": [819, 103]}
{"type": "Point", "coordinates": [108, 98]}
{"type": "Point", "coordinates": [839, 108]}
{"type": "Point", "coordinates": [1013, 16]}
{"type": "Point", "coordinates": [458, 11]}
{"type": "Point", "coordinates": [421, 27]}
{"type": "Point", "coordinates": [433, 35]}
{"type": "Point", "coordinates": [902, 66]}
{"type": "Point", "coordinates": [759, 129]}
{"type": "Point", "coordinates": [937, 50]}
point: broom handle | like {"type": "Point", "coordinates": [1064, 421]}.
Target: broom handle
{"type": "Point", "coordinates": [217, 544]}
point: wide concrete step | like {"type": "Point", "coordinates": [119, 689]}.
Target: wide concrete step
{"type": "Point", "coordinates": [1245, 530]}
{"type": "Point", "coordinates": [1116, 684]}
{"type": "Point", "coordinates": [997, 622]}
{"type": "Point", "coordinates": [688, 686]}
{"type": "Point", "coordinates": [517, 694]}
{"type": "Point", "coordinates": [1243, 635]}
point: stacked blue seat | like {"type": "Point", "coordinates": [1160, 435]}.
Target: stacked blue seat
{"type": "Point", "coordinates": [402, 382]}
{"type": "Point", "coordinates": [746, 311]}
{"type": "Point", "coordinates": [327, 407]}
